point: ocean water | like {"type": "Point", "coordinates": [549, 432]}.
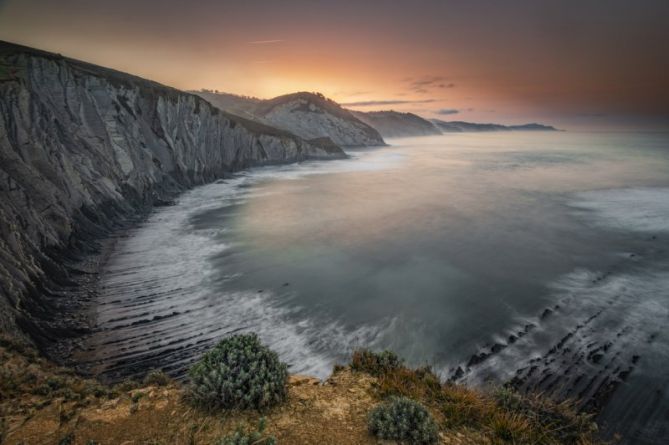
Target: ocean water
{"type": "Point", "coordinates": [537, 258]}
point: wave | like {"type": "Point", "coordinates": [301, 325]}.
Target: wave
{"type": "Point", "coordinates": [157, 304]}
{"type": "Point", "coordinates": [603, 339]}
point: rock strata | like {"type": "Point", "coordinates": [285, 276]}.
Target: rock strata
{"type": "Point", "coordinates": [81, 148]}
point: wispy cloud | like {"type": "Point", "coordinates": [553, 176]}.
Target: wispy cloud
{"type": "Point", "coordinates": [447, 111]}
{"type": "Point", "coordinates": [265, 42]}
{"type": "Point", "coordinates": [352, 93]}
{"type": "Point", "coordinates": [428, 83]}
{"type": "Point", "coordinates": [371, 103]}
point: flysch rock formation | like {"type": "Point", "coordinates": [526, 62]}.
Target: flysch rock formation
{"type": "Point", "coordinates": [81, 147]}
{"type": "Point", "coordinates": [309, 115]}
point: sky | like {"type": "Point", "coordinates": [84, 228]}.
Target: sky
{"type": "Point", "coordinates": [586, 63]}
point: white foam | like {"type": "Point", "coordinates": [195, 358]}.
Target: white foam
{"type": "Point", "coordinates": [164, 269]}
{"type": "Point", "coordinates": [633, 209]}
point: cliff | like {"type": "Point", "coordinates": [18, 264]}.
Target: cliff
{"type": "Point", "coordinates": [460, 127]}
{"type": "Point", "coordinates": [309, 115]}
{"type": "Point", "coordinates": [239, 105]}
{"type": "Point", "coordinates": [394, 124]}
{"type": "Point", "coordinates": [81, 148]}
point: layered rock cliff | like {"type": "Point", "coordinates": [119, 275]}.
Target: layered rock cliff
{"type": "Point", "coordinates": [309, 115]}
{"type": "Point", "coordinates": [83, 146]}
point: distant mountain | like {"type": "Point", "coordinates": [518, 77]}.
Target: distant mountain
{"type": "Point", "coordinates": [315, 117]}
{"type": "Point", "coordinates": [460, 127]}
{"type": "Point", "coordinates": [309, 115]}
{"type": "Point", "coordinates": [393, 124]}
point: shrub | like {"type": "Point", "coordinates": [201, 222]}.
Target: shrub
{"type": "Point", "coordinates": [239, 372]}
{"type": "Point", "coordinates": [67, 440]}
{"type": "Point", "coordinates": [561, 422]}
{"type": "Point", "coordinates": [156, 377]}
{"type": "Point", "coordinates": [404, 420]}
{"type": "Point", "coordinates": [246, 436]}
{"type": "Point", "coordinates": [510, 427]}
{"type": "Point", "coordinates": [126, 385]}
{"type": "Point", "coordinates": [375, 363]}
{"type": "Point", "coordinates": [137, 397]}
{"type": "Point", "coordinates": [413, 383]}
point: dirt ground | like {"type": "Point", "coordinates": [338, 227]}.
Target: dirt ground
{"type": "Point", "coordinates": [330, 412]}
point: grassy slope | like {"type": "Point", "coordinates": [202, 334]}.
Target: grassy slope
{"type": "Point", "coordinates": [41, 403]}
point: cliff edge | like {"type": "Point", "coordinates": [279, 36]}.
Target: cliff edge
{"type": "Point", "coordinates": [81, 147]}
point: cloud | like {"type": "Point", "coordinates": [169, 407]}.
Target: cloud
{"type": "Point", "coordinates": [265, 42]}
{"type": "Point", "coordinates": [446, 111]}
{"type": "Point", "coordinates": [424, 84]}
{"type": "Point", "coordinates": [371, 103]}
{"type": "Point", "coordinates": [351, 93]}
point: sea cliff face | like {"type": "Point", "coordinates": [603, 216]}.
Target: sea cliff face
{"type": "Point", "coordinates": [82, 146]}
{"type": "Point", "coordinates": [308, 115]}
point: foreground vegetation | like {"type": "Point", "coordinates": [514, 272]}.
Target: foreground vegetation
{"type": "Point", "coordinates": [375, 397]}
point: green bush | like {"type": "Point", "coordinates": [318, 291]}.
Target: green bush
{"type": "Point", "coordinates": [375, 363]}
{"type": "Point", "coordinates": [404, 420]}
{"type": "Point", "coordinates": [245, 436]}
{"type": "Point", "coordinates": [239, 372]}
{"type": "Point", "coordinates": [126, 385]}
{"type": "Point", "coordinates": [156, 377]}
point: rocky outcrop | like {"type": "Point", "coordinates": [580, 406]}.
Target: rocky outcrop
{"type": "Point", "coordinates": [461, 127]}
{"type": "Point", "coordinates": [309, 115]}
{"type": "Point", "coordinates": [393, 124]}
{"type": "Point", "coordinates": [82, 146]}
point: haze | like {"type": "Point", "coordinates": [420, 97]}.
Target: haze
{"type": "Point", "coordinates": [570, 63]}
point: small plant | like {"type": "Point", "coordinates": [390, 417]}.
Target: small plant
{"type": "Point", "coordinates": [126, 385]}
{"type": "Point", "coordinates": [67, 440]}
{"type": "Point", "coordinates": [510, 427]}
{"type": "Point", "coordinates": [562, 422]}
{"type": "Point", "coordinates": [375, 363]}
{"type": "Point", "coordinates": [404, 420]}
{"type": "Point", "coordinates": [99, 391]}
{"type": "Point", "coordinates": [248, 436]}
{"type": "Point", "coordinates": [137, 396]}
{"type": "Point", "coordinates": [413, 383]}
{"type": "Point", "coordinates": [42, 390]}
{"type": "Point", "coordinates": [3, 429]}
{"type": "Point", "coordinates": [240, 372]}
{"type": "Point", "coordinates": [156, 377]}
{"type": "Point", "coordinates": [55, 383]}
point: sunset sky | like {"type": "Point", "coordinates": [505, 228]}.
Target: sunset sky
{"type": "Point", "coordinates": [568, 63]}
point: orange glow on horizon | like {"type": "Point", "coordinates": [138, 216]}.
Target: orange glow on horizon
{"type": "Point", "coordinates": [513, 64]}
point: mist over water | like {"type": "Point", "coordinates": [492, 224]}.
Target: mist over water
{"type": "Point", "coordinates": [542, 255]}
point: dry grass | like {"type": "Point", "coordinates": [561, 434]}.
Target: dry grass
{"type": "Point", "coordinates": [375, 363]}
{"type": "Point", "coordinates": [502, 416]}
{"type": "Point", "coordinates": [43, 403]}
